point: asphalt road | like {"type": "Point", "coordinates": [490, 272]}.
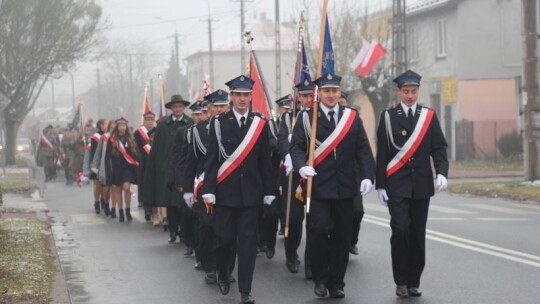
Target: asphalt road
{"type": "Point", "coordinates": [479, 250]}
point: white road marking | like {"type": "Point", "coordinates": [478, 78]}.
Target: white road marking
{"type": "Point", "coordinates": [433, 207]}
{"type": "Point", "coordinates": [446, 218]}
{"type": "Point", "coordinates": [490, 207]}
{"type": "Point", "coordinates": [508, 254]}
{"type": "Point", "coordinates": [503, 219]}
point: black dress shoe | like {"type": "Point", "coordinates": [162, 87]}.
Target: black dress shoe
{"type": "Point", "coordinates": [337, 293]}
{"type": "Point", "coordinates": [147, 217]}
{"type": "Point", "coordinates": [354, 250]}
{"type": "Point", "coordinates": [231, 278]}
{"type": "Point", "coordinates": [246, 298]}
{"type": "Point", "coordinates": [401, 291]}
{"type": "Point", "coordinates": [210, 278]}
{"type": "Point", "coordinates": [308, 275]}
{"type": "Point", "coordinates": [269, 253]}
{"type": "Point", "coordinates": [188, 251]}
{"type": "Point", "coordinates": [292, 265]}
{"type": "Point", "coordinates": [224, 286]}
{"type": "Point", "coordinates": [415, 292]}
{"type": "Point", "coordinates": [172, 237]}
{"type": "Point", "coordinates": [320, 290]}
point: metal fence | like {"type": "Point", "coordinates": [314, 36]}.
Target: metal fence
{"type": "Point", "coordinates": [479, 139]}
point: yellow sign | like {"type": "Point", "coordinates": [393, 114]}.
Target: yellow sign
{"type": "Point", "coordinates": [448, 90]}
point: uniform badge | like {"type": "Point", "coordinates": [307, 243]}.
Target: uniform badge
{"type": "Point", "coordinates": [242, 78]}
{"type": "Point", "coordinates": [306, 82]}
{"type": "Point", "coordinates": [329, 77]}
{"type": "Point", "coordinates": [404, 132]}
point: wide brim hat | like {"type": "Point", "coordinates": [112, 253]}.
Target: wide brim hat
{"type": "Point", "coordinates": [177, 98]}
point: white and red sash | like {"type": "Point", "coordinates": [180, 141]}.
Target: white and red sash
{"type": "Point", "coordinates": [105, 137]}
{"type": "Point", "coordinates": [143, 131]}
{"type": "Point", "coordinates": [242, 151]}
{"type": "Point", "coordinates": [96, 137]}
{"type": "Point", "coordinates": [412, 144]}
{"type": "Point", "coordinates": [199, 181]}
{"type": "Point", "coordinates": [46, 142]}
{"type": "Point", "coordinates": [335, 138]}
{"type": "Point", "coordinates": [126, 155]}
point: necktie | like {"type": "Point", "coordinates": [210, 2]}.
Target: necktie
{"type": "Point", "coordinates": [331, 118]}
{"type": "Point", "coordinates": [242, 123]}
{"type": "Point", "coordinates": [410, 117]}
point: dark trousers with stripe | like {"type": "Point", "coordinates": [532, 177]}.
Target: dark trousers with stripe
{"type": "Point", "coordinates": [408, 240]}
{"type": "Point", "coordinates": [236, 226]}
{"type": "Point", "coordinates": [330, 240]}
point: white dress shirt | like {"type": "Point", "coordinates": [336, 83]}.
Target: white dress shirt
{"type": "Point", "coordinates": [239, 116]}
{"type": "Point", "coordinates": [326, 109]}
{"type": "Point", "coordinates": [406, 108]}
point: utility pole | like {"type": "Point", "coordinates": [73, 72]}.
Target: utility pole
{"type": "Point", "coordinates": [530, 63]}
{"type": "Point", "coordinates": [278, 53]}
{"type": "Point", "coordinates": [98, 95]}
{"type": "Point", "coordinates": [53, 101]}
{"type": "Point", "coordinates": [242, 42]}
{"type": "Point", "coordinates": [130, 104]}
{"type": "Point", "coordinates": [210, 49]}
{"type": "Point", "coordinates": [399, 42]}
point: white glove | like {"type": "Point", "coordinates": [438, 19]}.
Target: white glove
{"type": "Point", "coordinates": [288, 164]}
{"type": "Point", "coordinates": [268, 199]}
{"type": "Point", "coordinates": [209, 198]}
{"type": "Point", "coordinates": [383, 197]}
{"type": "Point", "coordinates": [365, 186]}
{"type": "Point", "coordinates": [306, 171]}
{"type": "Point", "coordinates": [188, 197]}
{"type": "Point", "coordinates": [95, 170]}
{"type": "Point", "coordinates": [442, 182]}
{"type": "Point", "coordinates": [289, 137]}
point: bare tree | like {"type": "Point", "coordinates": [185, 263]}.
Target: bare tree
{"type": "Point", "coordinates": [39, 39]}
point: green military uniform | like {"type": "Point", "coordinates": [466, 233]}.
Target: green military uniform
{"type": "Point", "coordinates": [156, 192]}
{"type": "Point", "coordinates": [68, 145]}
{"type": "Point", "coordinates": [47, 150]}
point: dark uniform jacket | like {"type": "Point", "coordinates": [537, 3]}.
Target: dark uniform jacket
{"type": "Point", "coordinates": [339, 173]}
{"type": "Point", "coordinates": [246, 185]}
{"type": "Point", "coordinates": [415, 178]}
{"type": "Point", "coordinates": [143, 158]}
{"type": "Point", "coordinates": [178, 155]}
{"type": "Point", "coordinates": [193, 164]}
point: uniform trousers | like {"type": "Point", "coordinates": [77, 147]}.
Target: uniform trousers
{"type": "Point", "coordinates": [236, 226]}
{"type": "Point", "coordinates": [296, 217]}
{"type": "Point", "coordinates": [358, 215]}
{"type": "Point", "coordinates": [269, 223]}
{"type": "Point", "coordinates": [408, 240]}
{"type": "Point", "coordinates": [330, 240]}
{"type": "Point", "coordinates": [206, 240]}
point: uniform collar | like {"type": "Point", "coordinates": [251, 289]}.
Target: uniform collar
{"type": "Point", "coordinates": [238, 116]}
{"type": "Point", "coordinates": [406, 108]}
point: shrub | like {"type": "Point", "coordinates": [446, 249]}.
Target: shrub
{"type": "Point", "coordinates": [510, 144]}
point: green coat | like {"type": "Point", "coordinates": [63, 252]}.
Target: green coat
{"type": "Point", "coordinates": [155, 190]}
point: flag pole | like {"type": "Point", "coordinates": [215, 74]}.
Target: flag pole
{"type": "Point", "coordinates": [162, 96]}
{"type": "Point", "coordinates": [315, 108]}
{"type": "Point", "coordinates": [144, 103]}
{"type": "Point", "coordinates": [297, 76]}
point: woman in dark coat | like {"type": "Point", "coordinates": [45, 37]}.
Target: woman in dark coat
{"type": "Point", "coordinates": [121, 159]}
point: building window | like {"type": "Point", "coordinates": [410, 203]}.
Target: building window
{"type": "Point", "coordinates": [441, 38]}
{"type": "Point", "coordinates": [412, 43]}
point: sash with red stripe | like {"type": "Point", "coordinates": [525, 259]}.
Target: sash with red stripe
{"type": "Point", "coordinates": [335, 138]}
{"type": "Point", "coordinates": [96, 137]}
{"type": "Point", "coordinates": [143, 131]}
{"type": "Point", "coordinates": [88, 147]}
{"type": "Point", "coordinates": [412, 144]}
{"type": "Point", "coordinates": [46, 142]}
{"type": "Point", "coordinates": [126, 155]}
{"type": "Point", "coordinates": [199, 181]}
{"type": "Point", "coordinates": [242, 151]}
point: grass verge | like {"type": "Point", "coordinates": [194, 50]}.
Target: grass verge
{"type": "Point", "coordinates": [26, 259]}
{"type": "Point", "coordinates": [17, 183]}
{"type": "Point", "coordinates": [511, 190]}
{"type": "Point", "coordinates": [502, 165]}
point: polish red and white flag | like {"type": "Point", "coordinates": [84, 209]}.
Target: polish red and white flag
{"type": "Point", "coordinates": [368, 56]}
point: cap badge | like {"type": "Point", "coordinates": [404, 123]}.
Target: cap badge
{"type": "Point", "coordinates": [242, 78]}
{"type": "Point", "coordinates": [329, 77]}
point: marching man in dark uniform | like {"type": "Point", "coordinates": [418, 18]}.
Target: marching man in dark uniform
{"type": "Point", "coordinates": [143, 140]}
{"type": "Point", "coordinates": [296, 218]}
{"type": "Point", "coordinates": [408, 138]}
{"type": "Point", "coordinates": [192, 179]}
{"type": "Point", "coordinates": [342, 156]}
{"type": "Point", "coordinates": [237, 180]}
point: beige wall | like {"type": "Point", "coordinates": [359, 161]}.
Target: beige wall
{"type": "Point", "coordinates": [488, 99]}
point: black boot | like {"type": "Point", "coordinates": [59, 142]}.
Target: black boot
{"type": "Point", "coordinates": [96, 207]}
{"type": "Point", "coordinates": [128, 215]}
{"type": "Point", "coordinates": [113, 213]}
{"type": "Point", "coordinates": [121, 215]}
{"type": "Point", "coordinates": [106, 209]}
{"type": "Point", "coordinates": [102, 204]}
